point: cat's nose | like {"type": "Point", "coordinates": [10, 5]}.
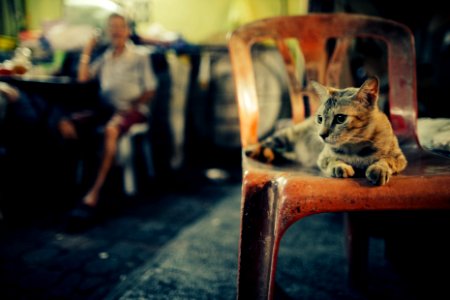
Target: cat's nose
{"type": "Point", "coordinates": [324, 135]}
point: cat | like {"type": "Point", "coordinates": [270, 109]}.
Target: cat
{"type": "Point", "coordinates": [347, 135]}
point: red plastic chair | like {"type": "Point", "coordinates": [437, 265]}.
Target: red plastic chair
{"type": "Point", "coordinates": [273, 198]}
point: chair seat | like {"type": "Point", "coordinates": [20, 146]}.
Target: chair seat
{"type": "Point", "coordinates": [311, 192]}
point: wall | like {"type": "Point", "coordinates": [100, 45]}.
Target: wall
{"type": "Point", "coordinates": [38, 12]}
{"type": "Point", "coordinates": [198, 21]}
{"type": "Point", "coordinates": [202, 21]}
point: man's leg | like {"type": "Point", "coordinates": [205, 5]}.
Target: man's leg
{"type": "Point", "coordinates": [110, 147]}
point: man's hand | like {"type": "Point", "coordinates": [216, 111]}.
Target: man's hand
{"type": "Point", "coordinates": [67, 129]}
{"type": "Point", "coordinates": [10, 93]}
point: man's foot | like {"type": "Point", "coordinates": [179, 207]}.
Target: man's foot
{"type": "Point", "coordinates": [91, 199]}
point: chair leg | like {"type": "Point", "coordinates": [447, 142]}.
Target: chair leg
{"type": "Point", "coordinates": [129, 179]}
{"type": "Point", "coordinates": [128, 147]}
{"type": "Point", "coordinates": [357, 240]}
{"type": "Point", "coordinates": [148, 156]}
{"type": "Point", "coordinates": [125, 158]}
{"type": "Point", "coordinates": [258, 243]}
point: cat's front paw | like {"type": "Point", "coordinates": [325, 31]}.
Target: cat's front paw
{"type": "Point", "coordinates": [260, 153]}
{"type": "Point", "coordinates": [378, 175]}
{"type": "Point", "coordinates": [342, 170]}
{"type": "Point", "coordinates": [253, 151]}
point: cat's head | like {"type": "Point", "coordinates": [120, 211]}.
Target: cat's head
{"type": "Point", "coordinates": [344, 114]}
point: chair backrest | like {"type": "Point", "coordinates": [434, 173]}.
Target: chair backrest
{"type": "Point", "coordinates": [313, 31]}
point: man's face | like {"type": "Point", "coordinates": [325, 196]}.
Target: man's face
{"type": "Point", "coordinates": [118, 31]}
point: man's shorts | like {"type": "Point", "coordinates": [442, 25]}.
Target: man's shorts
{"type": "Point", "coordinates": [125, 119]}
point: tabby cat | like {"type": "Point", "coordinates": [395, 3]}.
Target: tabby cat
{"type": "Point", "coordinates": [347, 134]}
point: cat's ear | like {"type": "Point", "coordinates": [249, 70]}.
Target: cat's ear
{"type": "Point", "coordinates": [321, 90]}
{"type": "Point", "coordinates": [369, 90]}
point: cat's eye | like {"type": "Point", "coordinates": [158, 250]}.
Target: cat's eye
{"type": "Point", "coordinates": [340, 118]}
{"type": "Point", "coordinates": [319, 119]}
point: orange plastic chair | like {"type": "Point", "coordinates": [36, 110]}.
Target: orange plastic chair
{"type": "Point", "coordinates": [273, 198]}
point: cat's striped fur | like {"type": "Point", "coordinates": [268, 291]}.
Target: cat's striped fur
{"type": "Point", "coordinates": [348, 133]}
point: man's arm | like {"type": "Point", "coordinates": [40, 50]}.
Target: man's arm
{"type": "Point", "coordinates": [146, 97]}
{"type": "Point", "coordinates": [83, 67]}
{"type": "Point", "coordinates": [149, 82]}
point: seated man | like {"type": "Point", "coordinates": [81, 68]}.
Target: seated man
{"type": "Point", "coordinates": [126, 83]}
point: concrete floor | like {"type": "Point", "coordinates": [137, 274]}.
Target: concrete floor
{"type": "Point", "coordinates": [183, 244]}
